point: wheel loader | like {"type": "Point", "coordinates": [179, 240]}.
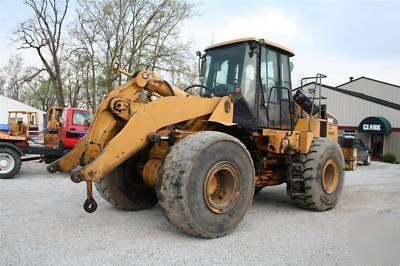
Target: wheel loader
{"type": "Point", "coordinates": [204, 151]}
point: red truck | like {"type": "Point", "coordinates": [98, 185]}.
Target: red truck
{"type": "Point", "coordinates": [74, 125]}
{"type": "Point", "coordinates": [65, 126]}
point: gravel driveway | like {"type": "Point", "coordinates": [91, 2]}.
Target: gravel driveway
{"type": "Point", "coordinates": [42, 223]}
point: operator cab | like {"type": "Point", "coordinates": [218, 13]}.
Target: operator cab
{"type": "Point", "coordinates": [257, 73]}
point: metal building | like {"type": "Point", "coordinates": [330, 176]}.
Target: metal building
{"type": "Point", "coordinates": [368, 108]}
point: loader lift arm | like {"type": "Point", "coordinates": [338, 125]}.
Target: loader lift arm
{"type": "Point", "coordinates": [121, 125]}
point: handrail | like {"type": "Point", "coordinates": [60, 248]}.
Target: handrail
{"type": "Point", "coordinates": [317, 84]}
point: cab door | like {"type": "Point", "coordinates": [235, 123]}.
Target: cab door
{"type": "Point", "coordinates": [276, 90]}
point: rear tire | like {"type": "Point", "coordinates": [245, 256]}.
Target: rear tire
{"type": "Point", "coordinates": [206, 184]}
{"type": "Point", "coordinates": [322, 170]}
{"type": "Point", "coordinates": [10, 163]}
{"type": "Point", "coordinates": [124, 188]}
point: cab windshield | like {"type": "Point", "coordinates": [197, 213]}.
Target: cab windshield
{"type": "Point", "coordinates": [229, 69]}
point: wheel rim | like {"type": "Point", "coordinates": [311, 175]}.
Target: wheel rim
{"type": "Point", "coordinates": [7, 163]}
{"type": "Point", "coordinates": [330, 176]}
{"type": "Point", "coordinates": [222, 187]}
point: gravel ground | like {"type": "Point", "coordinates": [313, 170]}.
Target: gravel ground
{"type": "Point", "coordinates": [42, 223]}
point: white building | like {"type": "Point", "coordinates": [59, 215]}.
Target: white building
{"type": "Point", "coordinates": [370, 108]}
{"type": "Point", "coordinates": [8, 104]}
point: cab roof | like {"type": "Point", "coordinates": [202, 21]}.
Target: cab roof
{"type": "Point", "coordinates": [253, 39]}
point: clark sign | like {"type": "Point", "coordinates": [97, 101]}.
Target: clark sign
{"type": "Point", "coordinates": [376, 125]}
{"type": "Point", "coordinates": [367, 127]}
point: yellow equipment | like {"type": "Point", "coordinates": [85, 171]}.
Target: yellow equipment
{"type": "Point", "coordinates": [23, 123]}
{"type": "Point", "coordinates": [202, 157]}
{"type": "Point", "coordinates": [19, 141]}
{"type": "Point", "coordinates": [51, 133]}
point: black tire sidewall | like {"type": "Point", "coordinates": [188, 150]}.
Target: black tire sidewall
{"type": "Point", "coordinates": [324, 200]}
{"type": "Point", "coordinates": [17, 163]}
{"type": "Point", "coordinates": [203, 217]}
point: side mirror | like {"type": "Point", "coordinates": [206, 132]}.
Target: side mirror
{"type": "Point", "coordinates": [291, 66]}
{"type": "Point", "coordinates": [198, 54]}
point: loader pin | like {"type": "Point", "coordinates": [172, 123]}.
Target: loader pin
{"type": "Point", "coordinates": [90, 204]}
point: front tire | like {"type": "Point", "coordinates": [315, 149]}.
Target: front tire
{"type": "Point", "coordinates": [322, 172]}
{"type": "Point", "coordinates": [10, 163]}
{"type": "Point", "coordinates": [206, 184]}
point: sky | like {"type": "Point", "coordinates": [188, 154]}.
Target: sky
{"type": "Point", "coordinates": [339, 38]}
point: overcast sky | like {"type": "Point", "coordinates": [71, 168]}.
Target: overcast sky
{"type": "Point", "coordinates": [338, 38]}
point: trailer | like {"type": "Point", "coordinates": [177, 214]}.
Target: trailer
{"type": "Point", "coordinates": [21, 144]}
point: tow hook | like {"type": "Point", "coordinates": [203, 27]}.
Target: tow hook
{"type": "Point", "coordinates": [90, 204]}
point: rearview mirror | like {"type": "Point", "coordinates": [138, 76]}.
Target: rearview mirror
{"type": "Point", "coordinates": [199, 63]}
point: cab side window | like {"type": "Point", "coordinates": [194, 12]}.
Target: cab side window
{"type": "Point", "coordinates": [285, 75]}
{"type": "Point", "coordinates": [273, 77]}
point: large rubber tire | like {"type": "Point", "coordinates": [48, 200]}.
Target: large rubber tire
{"type": "Point", "coordinates": [310, 167]}
{"type": "Point", "coordinates": [10, 163]}
{"type": "Point", "coordinates": [124, 188]}
{"type": "Point", "coordinates": [183, 179]}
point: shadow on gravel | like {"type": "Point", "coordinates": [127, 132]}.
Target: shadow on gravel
{"type": "Point", "coordinates": [273, 197]}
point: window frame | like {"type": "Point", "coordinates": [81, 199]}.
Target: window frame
{"type": "Point", "coordinates": [281, 76]}
{"type": "Point", "coordinates": [279, 59]}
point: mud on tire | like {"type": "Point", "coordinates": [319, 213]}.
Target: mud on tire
{"type": "Point", "coordinates": [322, 170]}
{"type": "Point", "coordinates": [206, 184]}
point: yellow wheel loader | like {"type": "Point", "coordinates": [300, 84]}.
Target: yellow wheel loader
{"type": "Point", "coordinates": [202, 152]}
